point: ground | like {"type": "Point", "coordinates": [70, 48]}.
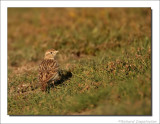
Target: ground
{"type": "Point", "coordinates": [104, 55]}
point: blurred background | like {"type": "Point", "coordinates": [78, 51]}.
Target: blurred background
{"type": "Point", "coordinates": [107, 50]}
{"type": "Point", "coordinates": [88, 31]}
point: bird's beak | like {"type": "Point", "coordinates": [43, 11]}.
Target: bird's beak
{"type": "Point", "coordinates": [56, 52]}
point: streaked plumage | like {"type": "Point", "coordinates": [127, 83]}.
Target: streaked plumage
{"type": "Point", "coordinates": [48, 69]}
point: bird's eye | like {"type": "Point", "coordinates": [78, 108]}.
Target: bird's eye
{"type": "Point", "coordinates": [51, 52]}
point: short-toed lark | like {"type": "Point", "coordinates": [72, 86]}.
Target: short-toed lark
{"type": "Point", "coordinates": [48, 69]}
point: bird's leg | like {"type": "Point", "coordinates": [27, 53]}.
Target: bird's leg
{"type": "Point", "coordinates": [52, 83]}
{"type": "Point", "coordinates": [44, 86]}
{"type": "Point", "coordinates": [49, 85]}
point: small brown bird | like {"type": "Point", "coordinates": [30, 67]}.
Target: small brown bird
{"type": "Point", "coordinates": [48, 69]}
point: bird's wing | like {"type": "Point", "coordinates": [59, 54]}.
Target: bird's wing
{"type": "Point", "coordinates": [48, 69]}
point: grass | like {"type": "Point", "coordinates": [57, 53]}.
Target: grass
{"type": "Point", "coordinates": [106, 51]}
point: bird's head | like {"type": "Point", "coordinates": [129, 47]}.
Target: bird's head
{"type": "Point", "coordinates": [50, 54]}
